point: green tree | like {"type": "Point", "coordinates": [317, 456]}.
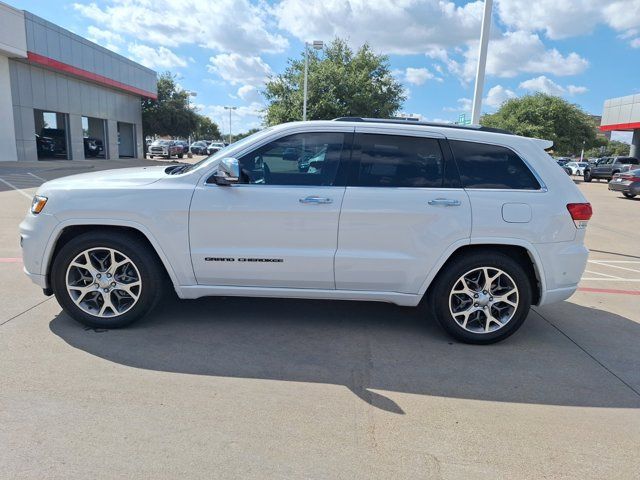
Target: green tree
{"type": "Point", "coordinates": [549, 117]}
{"type": "Point", "coordinates": [240, 136]}
{"type": "Point", "coordinates": [170, 113]}
{"type": "Point", "coordinates": [609, 148]}
{"type": "Point", "coordinates": [340, 83]}
{"type": "Point", "coordinates": [206, 129]}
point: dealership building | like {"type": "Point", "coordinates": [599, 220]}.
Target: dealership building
{"type": "Point", "coordinates": [623, 114]}
{"type": "Point", "coordinates": [64, 97]}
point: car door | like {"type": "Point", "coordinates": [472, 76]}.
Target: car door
{"type": "Point", "coordinates": [403, 208]}
{"type": "Point", "coordinates": [604, 168]}
{"type": "Point", "coordinates": [278, 227]}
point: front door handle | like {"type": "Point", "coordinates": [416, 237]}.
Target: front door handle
{"type": "Point", "coordinates": [313, 200]}
{"type": "Point", "coordinates": [445, 202]}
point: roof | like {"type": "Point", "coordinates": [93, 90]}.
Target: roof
{"type": "Point", "coordinates": [412, 121]}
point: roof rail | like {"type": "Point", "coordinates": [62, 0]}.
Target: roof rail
{"type": "Point", "coordinates": [413, 121]}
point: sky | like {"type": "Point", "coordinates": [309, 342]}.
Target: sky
{"type": "Point", "coordinates": [223, 50]}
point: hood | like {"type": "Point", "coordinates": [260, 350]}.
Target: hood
{"type": "Point", "coordinates": [117, 178]}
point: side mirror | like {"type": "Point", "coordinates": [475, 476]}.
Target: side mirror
{"type": "Point", "coordinates": [228, 172]}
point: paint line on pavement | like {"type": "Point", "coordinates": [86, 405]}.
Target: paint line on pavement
{"type": "Point", "coordinates": [11, 260]}
{"type": "Point", "coordinates": [609, 290]}
{"type": "Point", "coordinates": [22, 192]}
{"type": "Point", "coordinates": [604, 264]}
{"type": "Point", "coordinates": [36, 176]}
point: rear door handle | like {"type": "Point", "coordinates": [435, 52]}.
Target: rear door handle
{"type": "Point", "coordinates": [445, 202]}
{"type": "Point", "coordinates": [313, 200]}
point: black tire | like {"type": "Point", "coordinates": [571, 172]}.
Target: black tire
{"type": "Point", "coordinates": [181, 155]}
{"type": "Point", "coordinates": [448, 278]}
{"type": "Point", "coordinates": [587, 176]}
{"type": "Point", "coordinates": [150, 156]}
{"type": "Point", "coordinates": [628, 195]}
{"type": "Point", "coordinates": [152, 276]}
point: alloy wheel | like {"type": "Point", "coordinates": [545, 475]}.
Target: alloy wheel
{"type": "Point", "coordinates": [483, 300]}
{"type": "Point", "coordinates": [103, 282]}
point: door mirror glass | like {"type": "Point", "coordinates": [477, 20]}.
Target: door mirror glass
{"type": "Point", "coordinates": [228, 172]}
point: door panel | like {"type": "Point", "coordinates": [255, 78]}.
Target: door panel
{"type": "Point", "coordinates": [284, 242]}
{"type": "Point", "coordinates": [390, 238]}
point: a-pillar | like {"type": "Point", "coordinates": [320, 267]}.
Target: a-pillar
{"type": "Point", "coordinates": [635, 144]}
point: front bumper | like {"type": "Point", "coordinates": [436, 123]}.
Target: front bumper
{"type": "Point", "coordinates": [35, 233]}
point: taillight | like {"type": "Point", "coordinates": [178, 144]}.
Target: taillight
{"type": "Point", "coordinates": [580, 213]}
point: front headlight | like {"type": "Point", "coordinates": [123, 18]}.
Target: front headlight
{"type": "Point", "coordinates": [38, 204]}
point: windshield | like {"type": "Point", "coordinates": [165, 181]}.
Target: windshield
{"type": "Point", "coordinates": [224, 152]}
{"type": "Point", "coordinates": [162, 143]}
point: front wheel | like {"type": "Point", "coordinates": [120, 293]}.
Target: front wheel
{"type": "Point", "coordinates": [628, 195]}
{"type": "Point", "coordinates": [587, 176]}
{"type": "Point", "coordinates": [106, 280]}
{"type": "Point", "coordinates": [482, 298]}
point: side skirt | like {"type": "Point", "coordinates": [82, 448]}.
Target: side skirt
{"type": "Point", "coordinates": [198, 291]}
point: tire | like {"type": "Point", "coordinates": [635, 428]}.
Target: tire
{"type": "Point", "coordinates": [124, 309]}
{"type": "Point", "coordinates": [181, 155]}
{"type": "Point", "coordinates": [150, 156]}
{"type": "Point", "coordinates": [587, 176]}
{"type": "Point", "coordinates": [628, 195]}
{"type": "Point", "coordinates": [445, 303]}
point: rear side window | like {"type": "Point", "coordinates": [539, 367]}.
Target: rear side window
{"type": "Point", "coordinates": [397, 161]}
{"type": "Point", "coordinates": [491, 166]}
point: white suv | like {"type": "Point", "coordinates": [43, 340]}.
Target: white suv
{"type": "Point", "coordinates": [480, 223]}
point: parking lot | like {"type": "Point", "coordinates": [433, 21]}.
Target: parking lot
{"type": "Point", "coordinates": [267, 388]}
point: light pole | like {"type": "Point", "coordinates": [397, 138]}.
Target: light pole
{"type": "Point", "coordinates": [317, 45]}
{"type": "Point", "coordinates": [190, 94]}
{"type": "Point", "coordinates": [230, 108]}
{"type": "Point", "coordinates": [482, 62]}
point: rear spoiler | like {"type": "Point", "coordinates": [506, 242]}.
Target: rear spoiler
{"type": "Point", "coordinates": [542, 143]}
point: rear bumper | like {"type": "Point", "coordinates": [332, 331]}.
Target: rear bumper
{"type": "Point", "coordinates": [563, 263]}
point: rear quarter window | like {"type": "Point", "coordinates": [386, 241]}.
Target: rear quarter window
{"type": "Point", "coordinates": [483, 165]}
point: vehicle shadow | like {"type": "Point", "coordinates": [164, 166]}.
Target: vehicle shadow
{"type": "Point", "coordinates": [363, 346]}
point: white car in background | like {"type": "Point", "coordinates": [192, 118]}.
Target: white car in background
{"type": "Point", "coordinates": [577, 168]}
{"type": "Point", "coordinates": [477, 223]}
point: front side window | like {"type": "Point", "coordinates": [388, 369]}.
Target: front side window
{"type": "Point", "coordinates": [299, 159]}
{"type": "Point", "coordinates": [491, 166]}
{"type": "Point", "coordinates": [397, 161]}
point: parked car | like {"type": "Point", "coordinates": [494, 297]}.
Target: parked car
{"type": "Point", "coordinates": [184, 144]}
{"type": "Point", "coordinates": [165, 148]}
{"type": "Point", "coordinates": [45, 146]}
{"type": "Point", "coordinates": [576, 168]}
{"type": "Point", "coordinates": [562, 161]}
{"type": "Point", "coordinates": [627, 183]}
{"type": "Point", "coordinates": [199, 148]}
{"type": "Point", "coordinates": [607, 167]}
{"type": "Point", "coordinates": [59, 138]}
{"type": "Point", "coordinates": [214, 147]}
{"type": "Point", "coordinates": [92, 147]}
{"type": "Point", "coordinates": [246, 222]}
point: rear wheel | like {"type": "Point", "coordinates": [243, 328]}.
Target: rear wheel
{"type": "Point", "coordinates": [482, 298]}
{"type": "Point", "coordinates": [106, 280]}
{"type": "Point", "coordinates": [628, 195]}
{"type": "Point", "coordinates": [180, 155]}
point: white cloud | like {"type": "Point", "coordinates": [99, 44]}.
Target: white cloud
{"type": "Point", "coordinates": [250, 94]}
{"type": "Point", "coordinates": [401, 27]}
{"type": "Point", "coordinates": [417, 76]}
{"type": "Point", "coordinates": [518, 52]}
{"type": "Point", "coordinates": [103, 37]}
{"type": "Point", "coordinates": [546, 85]}
{"type": "Point", "coordinates": [464, 105]}
{"type": "Point", "coordinates": [497, 95]}
{"type": "Point", "coordinates": [635, 43]}
{"type": "Point", "coordinates": [160, 57]}
{"type": "Point", "coordinates": [238, 69]}
{"type": "Point", "coordinates": [568, 18]}
{"type": "Point", "coordinates": [224, 25]}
